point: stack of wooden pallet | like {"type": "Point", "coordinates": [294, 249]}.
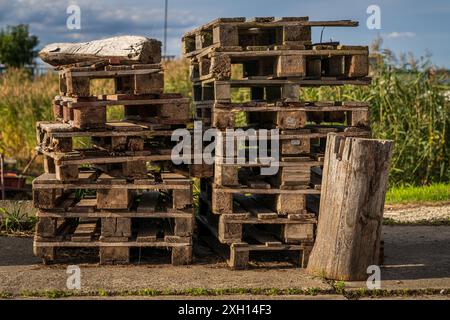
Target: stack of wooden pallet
{"type": "Point", "coordinates": [111, 184]}
{"type": "Point", "coordinates": [248, 73]}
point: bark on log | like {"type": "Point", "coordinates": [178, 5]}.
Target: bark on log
{"type": "Point", "coordinates": [126, 48]}
{"type": "Point", "coordinates": [355, 178]}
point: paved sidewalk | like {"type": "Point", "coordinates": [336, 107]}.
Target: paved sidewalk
{"type": "Point", "coordinates": [417, 257]}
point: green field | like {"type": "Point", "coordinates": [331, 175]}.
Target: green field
{"type": "Point", "coordinates": [439, 192]}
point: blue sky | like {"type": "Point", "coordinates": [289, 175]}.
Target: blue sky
{"type": "Point", "coordinates": [414, 25]}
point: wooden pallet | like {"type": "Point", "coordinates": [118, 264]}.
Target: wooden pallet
{"type": "Point", "coordinates": [275, 201]}
{"type": "Point", "coordinates": [237, 254]}
{"type": "Point", "coordinates": [293, 174]}
{"type": "Point", "coordinates": [251, 216]}
{"type": "Point", "coordinates": [339, 61]}
{"type": "Point", "coordinates": [124, 137]}
{"type": "Point", "coordinates": [283, 115]}
{"type": "Point", "coordinates": [255, 33]}
{"type": "Point", "coordinates": [90, 113]}
{"type": "Point", "coordinates": [309, 140]}
{"type": "Point", "coordinates": [114, 237]}
{"type": "Point", "coordinates": [262, 89]}
{"type": "Point", "coordinates": [111, 192]}
{"type": "Point", "coordinates": [137, 79]}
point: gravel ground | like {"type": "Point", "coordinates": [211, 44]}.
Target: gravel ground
{"type": "Point", "coordinates": [416, 213]}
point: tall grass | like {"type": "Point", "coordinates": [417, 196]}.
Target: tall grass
{"type": "Point", "coordinates": [23, 101]}
{"type": "Point", "coordinates": [410, 108]}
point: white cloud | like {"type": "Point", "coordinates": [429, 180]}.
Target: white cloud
{"type": "Point", "coordinates": [396, 35]}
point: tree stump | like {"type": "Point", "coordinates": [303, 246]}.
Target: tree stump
{"type": "Point", "coordinates": [354, 184]}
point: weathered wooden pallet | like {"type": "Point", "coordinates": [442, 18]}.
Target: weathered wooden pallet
{"type": "Point", "coordinates": [90, 113]}
{"type": "Point", "coordinates": [275, 201]}
{"type": "Point", "coordinates": [129, 79]}
{"type": "Point", "coordinates": [118, 137]}
{"type": "Point", "coordinates": [262, 89]}
{"type": "Point", "coordinates": [319, 61]}
{"type": "Point", "coordinates": [237, 254]}
{"type": "Point", "coordinates": [293, 174]}
{"type": "Point", "coordinates": [110, 192]}
{"type": "Point", "coordinates": [293, 146]}
{"type": "Point", "coordinates": [251, 216]}
{"type": "Point", "coordinates": [115, 237]}
{"type": "Point", "coordinates": [283, 115]}
{"type": "Point", "coordinates": [309, 140]}
{"type": "Point", "coordinates": [241, 33]}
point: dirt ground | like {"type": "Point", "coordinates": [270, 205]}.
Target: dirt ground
{"type": "Point", "coordinates": [416, 257]}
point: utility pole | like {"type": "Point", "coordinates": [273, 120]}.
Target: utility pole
{"type": "Point", "coordinates": [165, 27]}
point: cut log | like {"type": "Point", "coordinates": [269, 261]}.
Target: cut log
{"type": "Point", "coordinates": [355, 178]}
{"type": "Point", "coordinates": [125, 48]}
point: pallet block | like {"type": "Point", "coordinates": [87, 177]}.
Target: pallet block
{"type": "Point", "coordinates": [113, 198]}
{"type": "Point", "coordinates": [131, 79]}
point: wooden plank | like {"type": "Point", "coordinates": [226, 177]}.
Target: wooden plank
{"type": "Point", "coordinates": [126, 48]}
{"type": "Point", "coordinates": [255, 207]}
{"type": "Point", "coordinates": [85, 230]}
{"type": "Point", "coordinates": [263, 237]}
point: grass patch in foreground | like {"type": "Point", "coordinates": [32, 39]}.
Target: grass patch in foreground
{"type": "Point", "coordinates": [407, 194]}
